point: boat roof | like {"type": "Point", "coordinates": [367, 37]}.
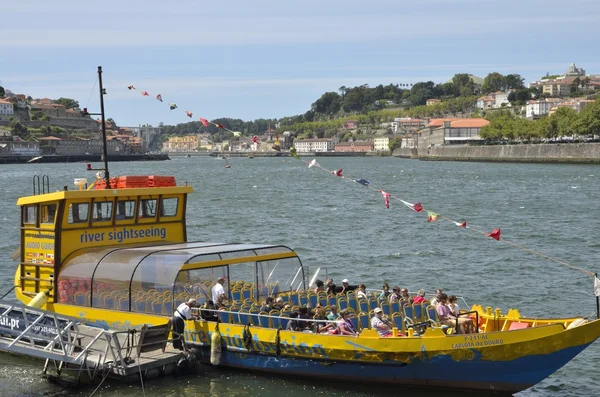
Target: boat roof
{"type": "Point", "coordinates": [160, 264]}
{"type": "Point", "coordinates": [102, 193]}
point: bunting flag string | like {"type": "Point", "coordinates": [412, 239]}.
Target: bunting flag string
{"type": "Point", "coordinates": [190, 114]}
{"type": "Point", "coordinates": [433, 216]}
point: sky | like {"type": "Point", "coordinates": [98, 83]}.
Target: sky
{"type": "Point", "coordinates": [271, 59]}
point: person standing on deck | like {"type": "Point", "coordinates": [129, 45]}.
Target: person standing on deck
{"type": "Point", "coordinates": [182, 313]}
{"type": "Point", "coordinates": [218, 290]}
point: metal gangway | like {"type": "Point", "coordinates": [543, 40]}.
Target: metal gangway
{"type": "Point", "coordinates": [66, 342]}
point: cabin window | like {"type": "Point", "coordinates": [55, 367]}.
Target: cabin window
{"type": "Point", "coordinates": [125, 209]}
{"type": "Point", "coordinates": [30, 215]}
{"type": "Point", "coordinates": [78, 212]}
{"type": "Point", "coordinates": [102, 211]}
{"type": "Point", "coordinates": [242, 277]}
{"type": "Point", "coordinates": [48, 213]}
{"type": "Point", "coordinates": [147, 208]}
{"type": "Point", "coordinates": [198, 283]}
{"type": "Point", "coordinates": [169, 206]}
{"type": "Point", "coordinates": [279, 275]}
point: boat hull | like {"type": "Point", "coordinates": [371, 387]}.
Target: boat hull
{"type": "Point", "coordinates": [510, 377]}
{"type": "Point", "coordinates": [508, 361]}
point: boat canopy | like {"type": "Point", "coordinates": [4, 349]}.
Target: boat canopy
{"type": "Point", "coordinates": [151, 279]}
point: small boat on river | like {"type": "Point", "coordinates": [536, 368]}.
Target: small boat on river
{"type": "Point", "coordinates": [115, 254]}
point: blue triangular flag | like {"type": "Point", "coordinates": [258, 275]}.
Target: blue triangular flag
{"type": "Point", "coordinates": [362, 181]}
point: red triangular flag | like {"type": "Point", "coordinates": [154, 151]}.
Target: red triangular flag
{"type": "Point", "coordinates": [219, 125]}
{"type": "Point", "coordinates": [464, 224]}
{"type": "Point", "coordinates": [494, 234]}
{"type": "Point", "coordinates": [338, 173]}
{"type": "Point", "coordinates": [145, 93]}
{"type": "Point", "coordinates": [418, 207]}
{"type": "Point", "coordinates": [204, 122]}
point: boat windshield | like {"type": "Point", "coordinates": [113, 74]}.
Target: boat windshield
{"type": "Point", "coordinates": [155, 279]}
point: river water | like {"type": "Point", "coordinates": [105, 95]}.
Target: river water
{"type": "Point", "coordinates": [345, 227]}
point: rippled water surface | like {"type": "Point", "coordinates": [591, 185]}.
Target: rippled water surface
{"type": "Point", "coordinates": [346, 228]}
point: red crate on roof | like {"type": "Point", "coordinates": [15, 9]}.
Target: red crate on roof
{"type": "Point", "coordinates": [161, 181]}
{"type": "Point", "coordinates": [127, 182]}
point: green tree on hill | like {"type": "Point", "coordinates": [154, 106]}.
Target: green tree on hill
{"type": "Point", "coordinates": [68, 103]}
{"type": "Point", "coordinates": [2, 92]}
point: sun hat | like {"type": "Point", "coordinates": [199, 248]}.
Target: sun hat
{"type": "Point", "coordinates": [377, 310]}
{"type": "Point", "coordinates": [345, 280]}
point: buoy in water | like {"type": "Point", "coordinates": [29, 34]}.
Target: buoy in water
{"type": "Point", "coordinates": [40, 299]}
{"type": "Point", "coordinates": [215, 347]}
{"type": "Point", "coordinates": [228, 166]}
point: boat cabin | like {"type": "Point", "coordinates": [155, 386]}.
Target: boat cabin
{"type": "Point", "coordinates": [65, 223]}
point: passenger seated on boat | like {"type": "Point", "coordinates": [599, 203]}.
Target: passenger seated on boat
{"type": "Point", "coordinates": [303, 315]}
{"type": "Point", "coordinates": [208, 314]}
{"type": "Point", "coordinates": [279, 303]}
{"type": "Point", "coordinates": [436, 300]}
{"type": "Point", "coordinates": [465, 323]}
{"type": "Point", "coordinates": [330, 286]}
{"type": "Point", "coordinates": [395, 295]}
{"type": "Point", "coordinates": [218, 290]}
{"type": "Point", "coordinates": [404, 295]}
{"type": "Point", "coordinates": [444, 313]}
{"type": "Point", "coordinates": [344, 325]}
{"type": "Point", "coordinates": [381, 324]}
{"type": "Point", "coordinates": [333, 315]}
{"type": "Point", "coordinates": [293, 325]}
{"type": "Point", "coordinates": [320, 286]}
{"type": "Point", "coordinates": [321, 325]}
{"type": "Point", "coordinates": [267, 305]}
{"type": "Point", "coordinates": [420, 298]}
{"type": "Point", "coordinates": [345, 287]}
{"type": "Point", "coordinates": [361, 291]}
{"type": "Point", "coordinates": [385, 291]}
{"type": "Point", "coordinates": [222, 302]}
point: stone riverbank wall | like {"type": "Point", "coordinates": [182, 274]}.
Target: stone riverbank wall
{"type": "Point", "coordinates": [526, 153]}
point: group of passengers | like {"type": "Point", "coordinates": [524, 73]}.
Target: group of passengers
{"type": "Point", "coordinates": [319, 320]}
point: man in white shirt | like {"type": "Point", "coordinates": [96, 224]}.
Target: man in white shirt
{"type": "Point", "coordinates": [218, 290]}
{"type": "Point", "coordinates": [182, 313]}
{"type": "Point", "coordinates": [382, 326]}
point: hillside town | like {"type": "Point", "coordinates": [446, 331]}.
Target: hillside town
{"type": "Point", "coordinates": [34, 127]}
{"type": "Point", "coordinates": [555, 92]}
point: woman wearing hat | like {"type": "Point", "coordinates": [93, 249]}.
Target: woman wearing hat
{"type": "Point", "coordinates": [345, 326]}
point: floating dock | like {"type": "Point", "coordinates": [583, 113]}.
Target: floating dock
{"type": "Point", "coordinates": [93, 352]}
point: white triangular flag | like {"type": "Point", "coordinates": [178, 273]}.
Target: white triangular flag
{"type": "Point", "coordinates": [313, 163]}
{"type": "Point", "coordinates": [596, 286]}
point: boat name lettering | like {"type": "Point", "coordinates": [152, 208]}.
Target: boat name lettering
{"type": "Point", "coordinates": [478, 343]}
{"type": "Point", "coordinates": [9, 322]}
{"type": "Point", "coordinates": [123, 234]}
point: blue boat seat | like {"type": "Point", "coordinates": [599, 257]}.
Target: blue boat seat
{"type": "Point", "coordinates": [364, 320]}
{"type": "Point", "coordinates": [263, 321]}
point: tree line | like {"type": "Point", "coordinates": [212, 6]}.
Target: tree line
{"type": "Point", "coordinates": [564, 122]}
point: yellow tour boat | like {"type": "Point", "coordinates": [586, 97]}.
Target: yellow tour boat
{"type": "Point", "coordinates": [118, 257]}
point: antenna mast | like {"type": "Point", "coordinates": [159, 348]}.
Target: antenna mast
{"type": "Point", "coordinates": [104, 148]}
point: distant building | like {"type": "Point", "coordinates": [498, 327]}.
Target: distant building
{"type": "Point", "coordinates": [405, 125]}
{"type": "Point", "coordinates": [80, 146]}
{"type": "Point", "coordinates": [350, 124]}
{"type": "Point", "coordinates": [358, 146]}
{"type": "Point", "coordinates": [433, 101]}
{"type": "Point", "coordinates": [314, 145]}
{"type": "Point", "coordinates": [7, 109]}
{"type": "Point", "coordinates": [574, 71]}
{"type": "Point", "coordinates": [540, 107]}
{"type": "Point", "coordinates": [381, 143]}
{"type": "Point", "coordinates": [187, 143]}
{"type": "Point", "coordinates": [451, 131]}
{"type": "Point", "coordinates": [485, 102]}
